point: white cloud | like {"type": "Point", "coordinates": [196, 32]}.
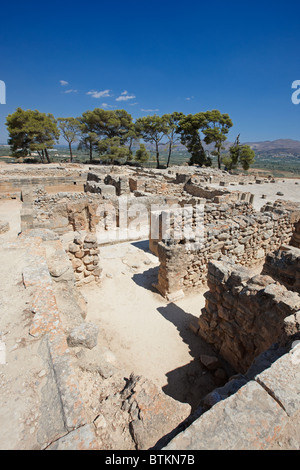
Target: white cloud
{"type": "Point", "coordinates": [99, 94]}
{"type": "Point", "coordinates": [71, 91]}
{"type": "Point", "coordinates": [125, 97]}
{"type": "Point", "coordinates": [133, 104]}
{"type": "Point", "coordinates": [149, 110]}
{"type": "Point", "coordinates": [105, 105]}
{"type": "Point", "coordinates": [63, 82]}
{"type": "Point", "coordinates": [189, 98]}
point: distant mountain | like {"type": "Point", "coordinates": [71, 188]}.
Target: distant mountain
{"type": "Point", "coordinates": [282, 146]}
{"type": "Point", "coordinates": [279, 145]}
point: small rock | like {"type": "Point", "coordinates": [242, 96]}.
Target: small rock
{"type": "Point", "coordinates": [91, 238]}
{"type": "Point", "coordinates": [85, 335]}
{"type": "Point", "coordinates": [210, 362]}
{"type": "Point", "coordinates": [100, 422]}
{"type": "Point", "coordinates": [73, 248]}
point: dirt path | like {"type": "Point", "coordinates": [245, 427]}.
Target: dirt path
{"type": "Point", "coordinates": [147, 334]}
{"type": "Point", "coordinates": [10, 212]}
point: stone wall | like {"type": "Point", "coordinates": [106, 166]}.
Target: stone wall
{"type": "Point", "coordinates": [296, 235]}
{"type": "Point", "coordinates": [155, 185]}
{"type": "Point", "coordinates": [106, 214]}
{"type": "Point", "coordinates": [253, 323]}
{"type": "Point", "coordinates": [107, 184]}
{"type": "Point", "coordinates": [245, 315]}
{"type": "Point", "coordinates": [233, 230]}
{"type": "Point", "coordinates": [84, 256]}
{"type": "Point", "coordinates": [284, 266]}
{"type": "Point", "coordinates": [195, 187]}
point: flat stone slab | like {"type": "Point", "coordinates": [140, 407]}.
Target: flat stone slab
{"type": "Point", "coordinates": [248, 420]}
{"type": "Point", "coordinates": [81, 439]}
{"type": "Point", "coordinates": [282, 380]}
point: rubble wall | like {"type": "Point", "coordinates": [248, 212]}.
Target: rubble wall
{"type": "Point", "coordinates": [284, 266]}
{"type": "Point", "coordinates": [245, 315]}
{"type": "Point", "coordinates": [233, 230]}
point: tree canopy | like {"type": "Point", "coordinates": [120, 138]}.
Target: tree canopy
{"type": "Point", "coordinates": [70, 130]}
{"type": "Point", "coordinates": [239, 154]}
{"type": "Point", "coordinates": [113, 134]}
{"type": "Point", "coordinates": [216, 128]}
{"type": "Point", "coordinates": [189, 128]}
{"type": "Point", "coordinates": [172, 134]}
{"type": "Point", "coordinates": [153, 129]}
{"type": "Point", "coordinates": [31, 131]}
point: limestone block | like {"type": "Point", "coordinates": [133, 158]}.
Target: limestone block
{"type": "Point", "coordinates": [83, 438]}
{"type": "Point", "coordinates": [248, 420]}
{"type": "Point", "coordinates": [282, 380]}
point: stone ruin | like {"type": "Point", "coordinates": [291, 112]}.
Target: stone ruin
{"type": "Point", "coordinates": [84, 256]}
{"type": "Point", "coordinates": [252, 321]}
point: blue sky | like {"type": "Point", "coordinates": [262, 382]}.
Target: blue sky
{"type": "Point", "coordinates": [65, 57]}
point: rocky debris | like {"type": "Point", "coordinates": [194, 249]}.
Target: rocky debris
{"type": "Point", "coordinates": [85, 335]}
{"type": "Point", "coordinates": [4, 227]}
{"type": "Point", "coordinates": [43, 233]}
{"type": "Point", "coordinates": [152, 413]}
{"type": "Point", "coordinates": [138, 416]}
{"type": "Point", "coordinates": [95, 361]}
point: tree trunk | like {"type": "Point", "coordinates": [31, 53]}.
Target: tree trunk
{"type": "Point", "coordinates": [41, 155]}
{"type": "Point", "coordinates": [71, 154]}
{"type": "Point", "coordinates": [47, 156]}
{"type": "Point", "coordinates": [91, 152]}
{"type": "Point", "coordinates": [169, 156]}
{"type": "Point", "coordinates": [219, 157]}
{"type": "Point", "coordinates": [157, 155]}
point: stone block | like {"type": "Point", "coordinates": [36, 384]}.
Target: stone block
{"type": "Point", "coordinates": [83, 438]}
{"type": "Point", "coordinates": [282, 380]}
{"type": "Point", "coordinates": [85, 335]}
{"type": "Point", "coordinates": [248, 420]}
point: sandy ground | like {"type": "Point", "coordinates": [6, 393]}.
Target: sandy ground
{"type": "Point", "coordinates": [289, 188]}
{"type": "Point", "coordinates": [147, 334]}
{"type": "Point", "coordinates": [10, 212]}
{"type": "Point", "coordinates": [22, 374]}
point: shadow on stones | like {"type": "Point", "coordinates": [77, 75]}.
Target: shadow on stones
{"type": "Point", "coordinates": [147, 278]}
{"type": "Point", "coordinates": [191, 382]}
{"type": "Point", "coordinates": [142, 245]}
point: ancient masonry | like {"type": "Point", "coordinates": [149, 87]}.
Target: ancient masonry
{"type": "Point", "coordinates": [84, 256]}
{"type": "Point", "coordinates": [251, 320]}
